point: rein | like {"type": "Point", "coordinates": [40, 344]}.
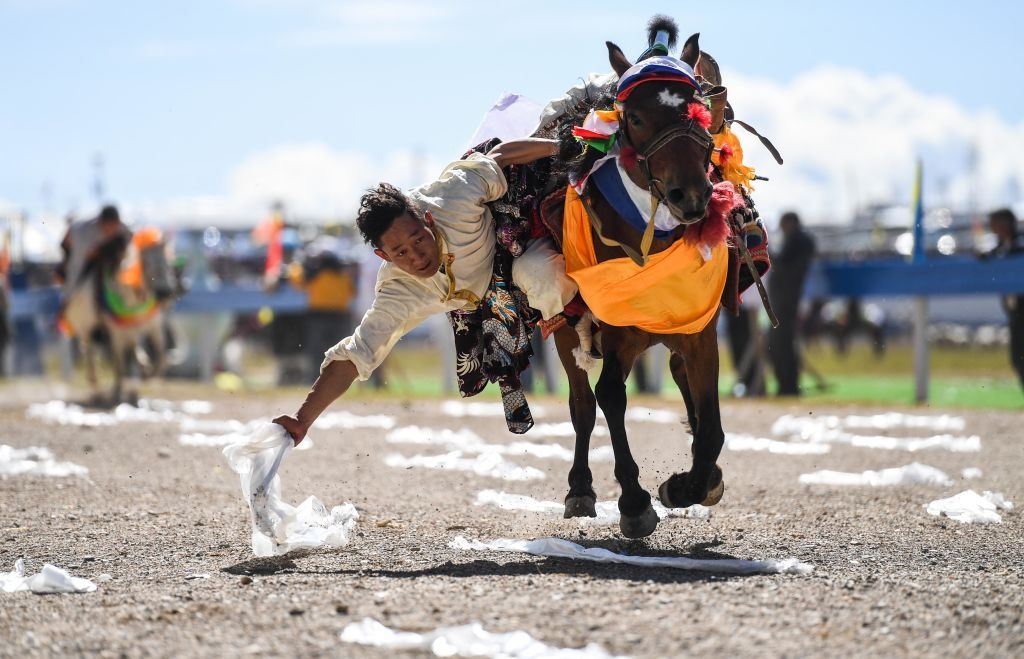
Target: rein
{"type": "Point", "coordinates": [690, 129]}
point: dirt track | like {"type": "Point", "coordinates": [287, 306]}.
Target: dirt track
{"type": "Point", "coordinates": [889, 579]}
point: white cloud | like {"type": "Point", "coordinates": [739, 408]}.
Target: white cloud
{"type": "Point", "coordinates": [849, 140]}
{"type": "Point", "coordinates": [314, 181]}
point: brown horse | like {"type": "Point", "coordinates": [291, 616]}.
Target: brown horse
{"type": "Point", "coordinates": [672, 154]}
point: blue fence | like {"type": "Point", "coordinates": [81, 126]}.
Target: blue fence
{"type": "Point", "coordinates": [945, 276]}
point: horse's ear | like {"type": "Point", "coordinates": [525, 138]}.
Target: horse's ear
{"type": "Point", "coordinates": [617, 58]}
{"type": "Point", "coordinates": [691, 51]}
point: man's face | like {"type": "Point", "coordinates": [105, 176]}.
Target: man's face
{"type": "Point", "coordinates": [1000, 227]}
{"type": "Point", "coordinates": [110, 228]}
{"type": "Point", "coordinates": [409, 244]}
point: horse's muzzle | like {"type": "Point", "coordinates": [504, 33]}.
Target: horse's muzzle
{"type": "Point", "coordinates": [690, 206]}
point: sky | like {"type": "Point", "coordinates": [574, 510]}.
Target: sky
{"type": "Point", "coordinates": [203, 109]}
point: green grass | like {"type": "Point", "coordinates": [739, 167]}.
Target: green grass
{"type": "Point", "coordinates": [959, 377]}
{"type": "Point", "coordinates": [978, 378]}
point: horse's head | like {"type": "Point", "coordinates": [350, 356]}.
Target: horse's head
{"type": "Point", "coordinates": [663, 124]}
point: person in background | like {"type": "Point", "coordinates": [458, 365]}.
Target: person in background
{"type": "Point", "coordinates": [746, 345]}
{"type": "Point", "coordinates": [329, 292]}
{"type": "Point", "coordinates": [83, 242]}
{"type": "Point", "coordinates": [785, 288]}
{"type": "Point", "coordinates": [1003, 223]}
{"type": "Point", "coordinates": [5, 296]}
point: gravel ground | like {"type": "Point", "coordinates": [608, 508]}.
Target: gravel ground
{"type": "Point", "coordinates": [890, 580]}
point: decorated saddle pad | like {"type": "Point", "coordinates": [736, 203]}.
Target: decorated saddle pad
{"type": "Point", "coordinates": [678, 291]}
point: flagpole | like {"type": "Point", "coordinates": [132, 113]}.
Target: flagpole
{"type": "Point", "coordinates": [917, 259]}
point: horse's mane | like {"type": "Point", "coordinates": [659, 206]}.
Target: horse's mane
{"type": "Point", "coordinates": [574, 159]}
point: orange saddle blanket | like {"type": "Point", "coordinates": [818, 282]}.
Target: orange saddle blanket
{"type": "Point", "coordinates": [678, 291]}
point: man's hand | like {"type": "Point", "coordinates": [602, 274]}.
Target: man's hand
{"type": "Point", "coordinates": [332, 383]}
{"type": "Point", "coordinates": [520, 152]}
{"type": "Point", "coordinates": [292, 425]}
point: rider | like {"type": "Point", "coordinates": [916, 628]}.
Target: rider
{"type": "Point", "coordinates": [438, 244]}
{"type": "Point", "coordinates": [83, 242]}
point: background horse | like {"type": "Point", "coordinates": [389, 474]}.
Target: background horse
{"type": "Point", "coordinates": [666, 152]}
{"type": "Point", "coordinates": [126, 316]}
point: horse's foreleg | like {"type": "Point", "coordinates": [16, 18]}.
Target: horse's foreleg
{"type": "Point", "coordinates": [697, 377]}
{"type": "Point", "coordinates": [637, 517]}
{"type": "Point", "coordinates": [581, 499]}
{"type": "Point", "coordinates": [88, 349]}
{"type": "Point", "coordinates": [122, 355]}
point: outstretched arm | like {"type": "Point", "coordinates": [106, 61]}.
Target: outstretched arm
{"type": "Point", "coordinates": [523, 151]}
{"type": "Point", "coordinates": [332, 383]}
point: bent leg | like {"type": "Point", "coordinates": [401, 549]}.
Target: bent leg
{"type": "Point", "coordinates": [540, 273]}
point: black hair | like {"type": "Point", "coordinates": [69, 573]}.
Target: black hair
{"type": "Point", "coordinates": [379, 208]}
{"type": "Point", "coordinates": [1005, 215]}
{"type": "Point", "coordinates": [109, 214]}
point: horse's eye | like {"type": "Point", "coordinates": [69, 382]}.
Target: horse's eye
{"type": "Point", "coordinates": [635, 120]}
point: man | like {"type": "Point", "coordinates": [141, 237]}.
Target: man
{"type": "Point", "coordinates": [83, 243]}
{"type": "Point", "coordinates": [438, 244]}
{"type": "Point", "coordinates": [785, 288]}
{"type": "Point", "coordinates": [1003, 223]}
{"type": "Point", "coordinates": [329, 290]}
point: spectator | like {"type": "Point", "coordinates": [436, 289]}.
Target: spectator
{"type": "Point", "coordinates": [5, 322]}
{"type": "Point", "coordinates": [1003, 223]}
{"type": "Point", "coordinates": [785, 288]}
{"type": "Point", "coordinates": [329, 292]}
{"type": "Point", "coordinates": [83, 243]}
{"type": "Point", "coordinates": [746, 346]}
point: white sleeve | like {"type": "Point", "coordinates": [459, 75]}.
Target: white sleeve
{"type": "Point", "coordinates": [397, 308]}
{"type": "Point", "coordinates": [466, 185]}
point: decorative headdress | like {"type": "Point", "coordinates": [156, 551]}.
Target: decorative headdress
{"type": "Point", "coordinates": [661, 67]}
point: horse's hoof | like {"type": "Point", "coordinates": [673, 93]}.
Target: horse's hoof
{"type": "Point", "coordinates": [639, 526]}
{"type": "Point", "coordinates": [684, 498]}
{"type": "Point", "coordinates": [715, 495]}
{"type": "Point", "coordinates": [664, 497]}
{"type": "Point", "coordinates": [581, 506]}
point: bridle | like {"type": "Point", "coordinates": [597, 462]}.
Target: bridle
{"type": "Point", "coordinates": [689, 129]}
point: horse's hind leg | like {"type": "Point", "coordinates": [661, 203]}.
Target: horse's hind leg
{"type": "Point", "coordinates": [696, 375]}
{"type": "Point", "coordinates": [581, 499]}
{"type": "Point", "coordinates": [621, 348]}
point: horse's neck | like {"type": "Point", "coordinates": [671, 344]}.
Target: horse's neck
{"type": "Point", "coordinates": [615, 228]}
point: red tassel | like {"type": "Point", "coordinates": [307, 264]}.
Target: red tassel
{"type": "Point", "coordinates": [714, 228]}
{"type": "Point", "coordinates": [629, 157]}
{"type": "Point", "coordinates": [699, 113]}
{"type": "Point", "coordinates": [724, 154]}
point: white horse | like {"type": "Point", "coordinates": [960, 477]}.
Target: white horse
{"type": "Point", "coordinates": [127, 316]}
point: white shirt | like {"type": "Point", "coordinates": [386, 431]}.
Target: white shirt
{"type": "Point", "coordinates": [456, 200]}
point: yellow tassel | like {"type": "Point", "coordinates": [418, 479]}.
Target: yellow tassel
{"type": "Point", "coordinates": [733, 170]}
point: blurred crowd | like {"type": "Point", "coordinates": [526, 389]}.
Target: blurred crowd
{"type": "Point", "coordinates": [336, 275]}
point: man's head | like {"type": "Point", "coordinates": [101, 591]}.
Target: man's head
{"type": "Point", "coordinates": [110, 221]}
{"type": "Point", "coordinates": [789, 222]}
{"type": "Point", "coordinates": [1003, 223]}
{"type": "Point", "coordinates": [398, 231]}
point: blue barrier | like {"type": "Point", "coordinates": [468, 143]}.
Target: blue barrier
{"type": "Point", "coordinates": [939, 276]}
{"type": "Point", "coordinates": [889, 277]}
